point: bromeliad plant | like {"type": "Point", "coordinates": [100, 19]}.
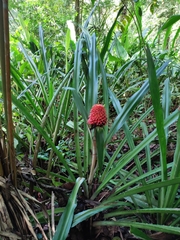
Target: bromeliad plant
{"type": "Point", "coordinates": [135, 198]}
{"type": "Point", "coordinates": [144, 197]}
{"type": "Point", "coordinates": [42, 101]}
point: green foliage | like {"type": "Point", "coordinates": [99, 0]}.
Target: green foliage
{"type": "Point", "coordinates": [65, 222]}
{"type": "Point", "coordinates": [168, 27]}
{"type": "Point", "coordinates": [51, 14]}
{"type": "Point", "coordinates": [134, 83]}
{"type": "Point", "coordinates": [42, 101]}
{"type": "Point", "coordinates": [114, 176]}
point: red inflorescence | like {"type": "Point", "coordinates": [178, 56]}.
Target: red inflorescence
{"type": "Point", "coordinates": [97, 116]}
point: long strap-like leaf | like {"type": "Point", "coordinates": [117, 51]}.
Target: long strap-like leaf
{"type": "Point", "coordinates": [66, 219]}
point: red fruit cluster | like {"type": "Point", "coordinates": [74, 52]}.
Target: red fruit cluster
{"type": "Point", "coordinates": [97, 116]}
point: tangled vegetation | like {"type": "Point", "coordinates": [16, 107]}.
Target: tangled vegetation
{"type": "Point", "coordinates": [90, 121]}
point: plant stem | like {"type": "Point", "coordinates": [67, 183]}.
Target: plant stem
{"type": "Point", "coordinates": [94, 160]}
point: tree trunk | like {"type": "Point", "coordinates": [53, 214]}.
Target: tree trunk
{"type": "Point", "coordinates": [77, 18]}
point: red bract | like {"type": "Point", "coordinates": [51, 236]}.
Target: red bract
{"type": "Point", "coordinates": [97, 116]}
